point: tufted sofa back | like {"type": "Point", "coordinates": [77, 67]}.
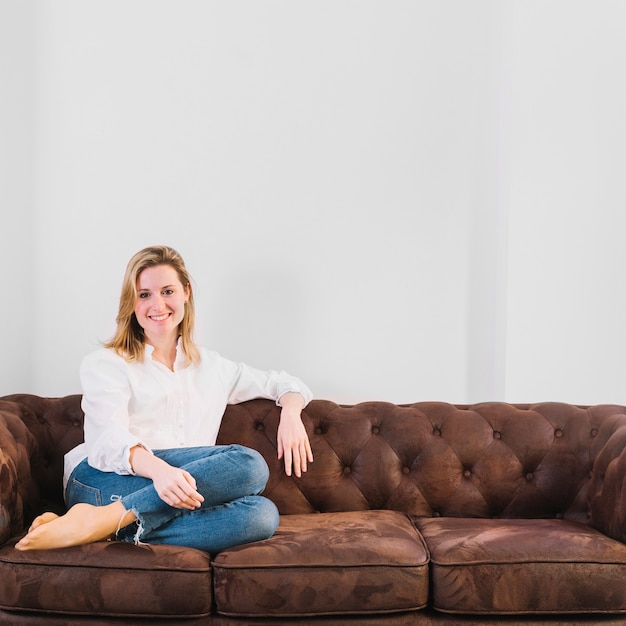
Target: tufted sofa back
{"type": "Point", "coordinates": [53, 427]}
{"type": "Point", "coordinates": [437, 459]}
{"type": "Point", "coordinates": [426, 459]}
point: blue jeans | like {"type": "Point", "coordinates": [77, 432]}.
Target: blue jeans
{"type": "Point", "coordinates": [229, 477]}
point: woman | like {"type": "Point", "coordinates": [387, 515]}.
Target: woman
{"type": "Point", "coordinates": [153, 400]}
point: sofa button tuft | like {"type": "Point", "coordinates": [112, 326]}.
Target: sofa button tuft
{"type": "Point", "coordinates": [76, 423]}
{"type": "Point", "coordinates": [317, 430]}
{"type": "Point", "coordinates": [375, 430]}
{"type": "Point", "coordinates": [347, 469]}
{"type": "Point", "coordinates": [594, 432]}
{"type": "Point", "coordinates": [497, 434]}
{"type": "Point", "coordinates": [467, 473]}
{"type": "Point", "coordinates": [529, 476]}
{"type": "Point", "coordinates": [558, 433]}
{"type": "Point", "coordinates": [406, 470]}
{"type": "Point", "coordinates": [437, 432]}
{"type": "Point", "coordinates": [260, 426]}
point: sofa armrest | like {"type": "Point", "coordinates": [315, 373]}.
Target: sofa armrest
{"type": "Point", "coordinates": [607, 490]}
{"type": "Point", "coordinates": [17, 489]}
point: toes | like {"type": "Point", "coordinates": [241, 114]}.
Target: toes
{"type": "Point", "coordinates": [22, 544]}
{"type": "Point", "coordinates": [44, 518]}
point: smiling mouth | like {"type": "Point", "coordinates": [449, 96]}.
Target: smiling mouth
{"type": "Point", "coordinates": [159, 318]}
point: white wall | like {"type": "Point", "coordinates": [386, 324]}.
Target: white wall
{"type": "Point", "coordinates": [352, 184]}
{"type": "Point", "coordinates": [567, 303]}
{"type": "Point", "coordinates": [17, 84]}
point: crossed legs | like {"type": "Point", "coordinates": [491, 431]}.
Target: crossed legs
{"type": "Point", "coordinates": [229, 477]}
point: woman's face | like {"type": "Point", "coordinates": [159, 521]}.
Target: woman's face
{"type": "Point", "coordinates": [160, 305]}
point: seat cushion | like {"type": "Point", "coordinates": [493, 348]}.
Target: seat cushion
{"type": "Point", "coordinates": [324, 564]}
{"type": "Point", "coordinates": [107, 579]}
{"type": "Point", "coordinates": [518, 566]}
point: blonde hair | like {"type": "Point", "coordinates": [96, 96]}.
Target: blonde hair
{"type": "Point", "coordinates": [128, 340]}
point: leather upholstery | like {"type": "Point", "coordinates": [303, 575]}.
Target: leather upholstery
{"type": "Point", "coordinates": [487, 566]}
{"type": "Point", "coordinates": [365, 562]}
{"type": "Point", "coordinates": [503, 475]}
{"type": "Point", "coordinates": [433, 459]}
{"type": "Point", "coordinates": [17, 489]}
{"type": "Point", "coordinates": [108, 578]}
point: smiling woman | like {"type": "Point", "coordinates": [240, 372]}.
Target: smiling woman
{"type": "Point", "coordinates": [154, 278]}
{"type": "Point", "coordinates": [149, 468]}
{"type": "Point", "coordinates": [160, 309]}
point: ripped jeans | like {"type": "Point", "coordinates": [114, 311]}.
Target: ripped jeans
{"type": "Point", "coordinates": [229, 477]}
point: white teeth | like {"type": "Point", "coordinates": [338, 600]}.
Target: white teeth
{"type": "Point", "coordinates": [160, 318]}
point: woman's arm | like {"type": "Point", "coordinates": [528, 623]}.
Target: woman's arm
{"type": "Point", "coordinates": [293, 441]}
{"type": "Point", "coordinates": [290, 393]}
{"type": "Point", "coordinates": [105, 401]}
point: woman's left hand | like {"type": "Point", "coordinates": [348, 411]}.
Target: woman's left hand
{"type": "Point", "coordinates": [293, 441]}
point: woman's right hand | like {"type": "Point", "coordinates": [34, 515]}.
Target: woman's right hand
{"type": "Point", "coordinates": [175, 486]}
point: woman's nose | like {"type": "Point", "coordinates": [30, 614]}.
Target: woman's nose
{"type": "Point", "coordinates": [157, 303]}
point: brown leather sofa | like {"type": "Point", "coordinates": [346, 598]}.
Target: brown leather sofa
{"type": "Point", "coordinates": [426, 513]}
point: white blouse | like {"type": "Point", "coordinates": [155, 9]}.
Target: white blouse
{"type": "Point", "coordinates": [128, 404]}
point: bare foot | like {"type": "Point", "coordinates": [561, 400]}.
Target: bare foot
{"type": "Point", "coordinates": [44, 518]}
{"type": "Point", "coordinates": [83, 523]}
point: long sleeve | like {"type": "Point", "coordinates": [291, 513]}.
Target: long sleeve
{"type": "Point", "coordinates": [106, 402]}
{"type": "Point", "coordinates": [246, 383]}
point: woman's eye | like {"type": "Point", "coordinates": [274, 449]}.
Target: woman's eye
{"type": "Point", "coordinates": [143, 295]}
{"type": "Point", "coordinates": [168, 292]}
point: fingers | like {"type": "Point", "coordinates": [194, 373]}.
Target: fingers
{"type": "Point", "coordinates": [288, 458]}
{"type": "Point", "coordinates": [187, 497]}
{"type": "Point", "coordinates": [181, 493]}
{"type": "Point", "coordinates": [181, 500]}
{"type": "Point", "coordinates": [191, 481]}
{"type": "Point", "coordinates": [299, 461]}
{"type": "Point", "coordinates": [293, 443]}
{"type": "Point", "coordinates": [297, 458]}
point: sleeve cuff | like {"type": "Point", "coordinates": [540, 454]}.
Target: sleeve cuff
{"type": "Point", "coordinates": [127, 462]}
